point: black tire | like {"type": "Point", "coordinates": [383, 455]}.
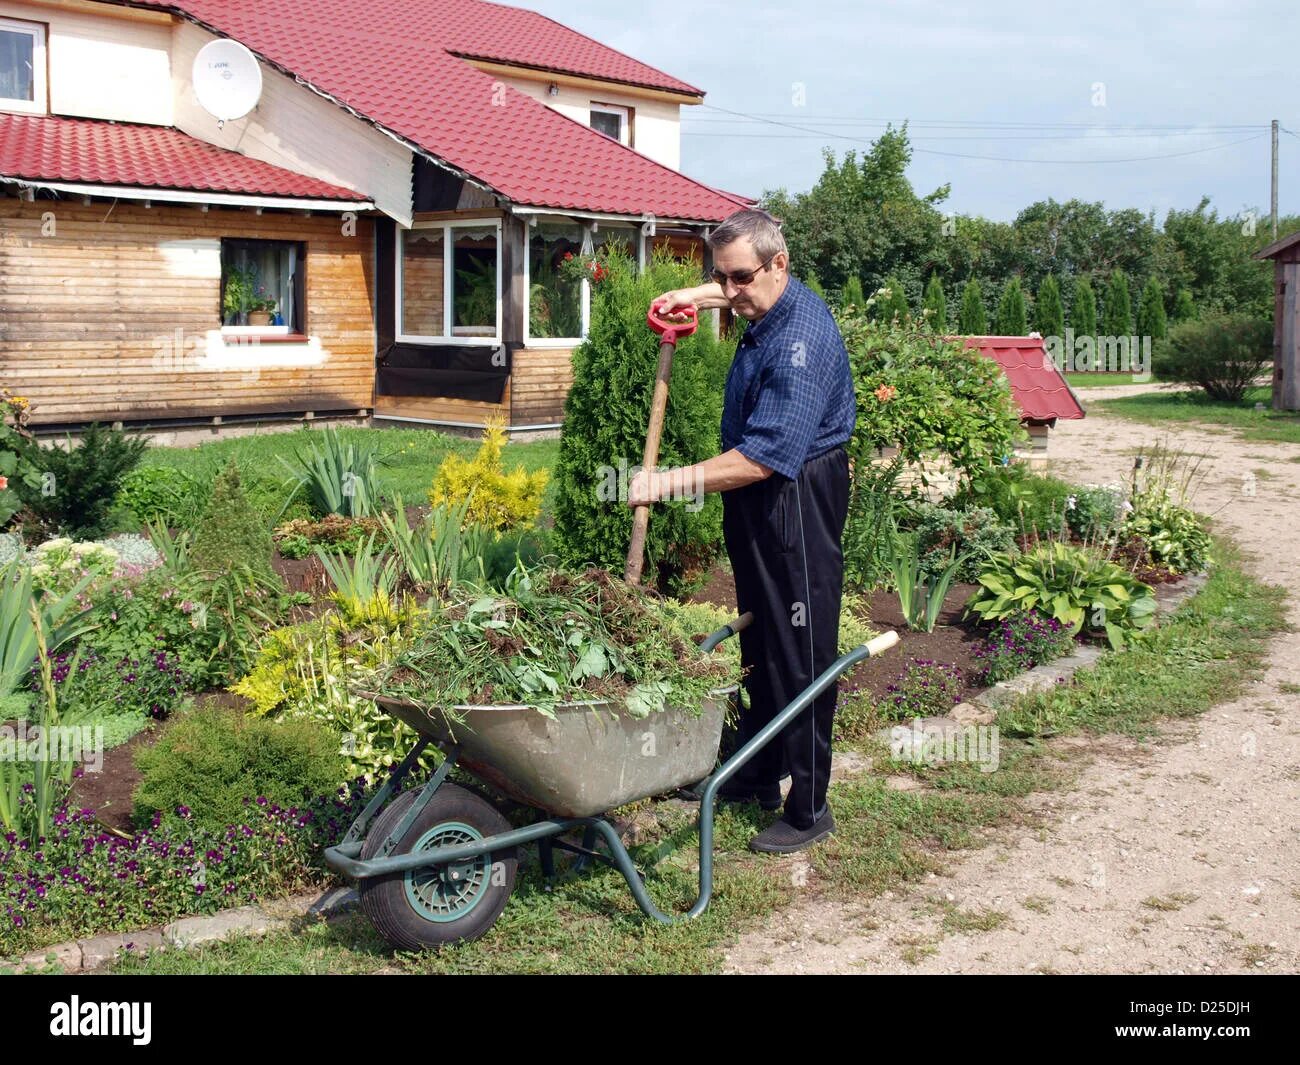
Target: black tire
{"type": "Point", "coordinates": [418, 909]}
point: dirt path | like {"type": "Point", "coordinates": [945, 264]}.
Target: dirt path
{"type": "Point", "coordinates": [1179, 855]}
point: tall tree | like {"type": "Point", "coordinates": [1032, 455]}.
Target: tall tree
{"type": "Point", "coordinates": [1083, 309]}
{"type": "Point", "coordinates": [1151, 320]}
{"type": "Point", "coordinates": [935, 303]}
{"type": "Point", "coordinates": [1184, 306]}
{"type": "Point", "coordinates": [1117, 311]}
{"type": "Point", "coordinates": [892, 303]}
{"type": "Point", "coordinates": [1011, 319]}
{"type": "Point", "coordinates": [851, 294]}
{"type": "Point", "coordinates": [1049, 312]}
{"type": "Point", "coordinates": [970, 319]}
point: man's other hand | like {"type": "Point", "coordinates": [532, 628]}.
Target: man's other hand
{"type": "Point", "coordinates": [643, 489]}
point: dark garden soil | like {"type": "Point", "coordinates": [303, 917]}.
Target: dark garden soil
{"type": "Point", "coordinates": [953, 641]}
{"type": "Point", "coordinates": [108, 792]}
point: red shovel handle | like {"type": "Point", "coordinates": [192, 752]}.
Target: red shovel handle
{"type": "Point", "coordinates": [671, 331]}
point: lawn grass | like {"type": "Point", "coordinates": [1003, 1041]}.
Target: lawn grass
{"type": "Point", "coordinates": [1108, 380]}
{"type": "Point", "coordinates": [411, 456]}
{"type": "Point", "coordinates": [1203, 654]}
{"type": "Point", "coordinates": [1182, 407]}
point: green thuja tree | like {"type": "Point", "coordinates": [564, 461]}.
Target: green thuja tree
{"type": "Point", "coordinates": [1151, 319]}
{"type": "Point", "coordinates": [1012, 320]}
{"type": "Point", "coordinates": [230, 535]}
{"type": "Point", "coordinates": [851, 295]}
{"type": "Point", "coordinates": [1083, 312]}
{"type": "Point", "coordinates": [1049, 313]}
{"type": "Point", "coordinates": [935, 303]}
{"type": "Point", "coordinates": [605, 420]}
{"type": "Point", "coordinates": [1184, 307]}
{"type": "Point", "coordinates": [1117, 313]}
{"type": "Point", "coordinates": [971, 320]}
{"type": "Point", "coordinates": [815, 285]}
{"type": "Point", "coordinates": [891, 304]}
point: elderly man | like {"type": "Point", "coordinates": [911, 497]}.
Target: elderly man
{"type": "Point", "coordinates": [784, 478]}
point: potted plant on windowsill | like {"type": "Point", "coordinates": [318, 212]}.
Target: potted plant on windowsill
{"type": "Point", "coordinates": [261, 308]}
{"type": "Point", "coordinates": [238, 297]}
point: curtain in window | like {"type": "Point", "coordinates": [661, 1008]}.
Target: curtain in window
{"type": "Point", "coordinates": [16, 61]}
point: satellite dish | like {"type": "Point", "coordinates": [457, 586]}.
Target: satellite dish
{"type": "Point", "coordinates": [227, 79]}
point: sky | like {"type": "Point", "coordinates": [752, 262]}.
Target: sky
{"type": "Point", "coordinates": [1071, 101]}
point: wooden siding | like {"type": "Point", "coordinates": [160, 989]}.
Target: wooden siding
{"type": "Point", "coordinates": [539, 383]}
{"type": "Point", "coordinates": [110, 316]}
{"type": "Point", "coordinates": [436, 409]}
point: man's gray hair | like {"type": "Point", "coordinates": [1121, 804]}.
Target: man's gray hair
{"type": "Point", "coordinates": [763, 231]}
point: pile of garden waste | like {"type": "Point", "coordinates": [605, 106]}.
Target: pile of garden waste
{"type": "Point", "coordinates": [559, 637]}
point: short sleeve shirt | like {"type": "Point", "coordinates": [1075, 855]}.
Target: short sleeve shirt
{"type": "Point", "coordinates": [789, 394]}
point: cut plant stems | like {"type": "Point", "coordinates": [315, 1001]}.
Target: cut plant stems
{"type": "Point", "coordinates": [554, 638]}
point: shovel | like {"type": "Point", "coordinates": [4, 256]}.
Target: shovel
{"type": "Point", "coordinates": [669, 332]}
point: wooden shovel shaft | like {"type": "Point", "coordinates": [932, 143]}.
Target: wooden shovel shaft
{"type": "Point", "coordinates": [658, 405]}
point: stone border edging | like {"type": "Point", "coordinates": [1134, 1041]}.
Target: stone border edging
{"type": "Point", "coordinates": [84, 955]}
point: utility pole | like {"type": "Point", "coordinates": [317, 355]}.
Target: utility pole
{"type": "Point", "coordinates": [1273, 203]}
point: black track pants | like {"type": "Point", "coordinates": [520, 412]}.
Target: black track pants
{"type": "Point", "coordinates": [783, 537]}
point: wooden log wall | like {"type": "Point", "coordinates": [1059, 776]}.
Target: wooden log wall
{"type": "Point", "coordinates": [105, 311]}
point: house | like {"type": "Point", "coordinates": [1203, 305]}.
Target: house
{"type": "Point", "coordinates": [378, 237]}
{"type": "Point", "coordinates": [1285, 254]}
{"type": "Point", "coordinates": [1037, 383]}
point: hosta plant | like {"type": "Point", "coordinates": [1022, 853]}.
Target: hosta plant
{"type": "Point", "coordinates": [1075, 586]}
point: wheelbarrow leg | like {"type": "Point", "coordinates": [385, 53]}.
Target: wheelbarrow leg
{"type": "Point", "coordinates": [546, 856]}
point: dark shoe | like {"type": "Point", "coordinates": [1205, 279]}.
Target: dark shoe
{"type": "Point", "coordinates": [783, 838]}
{"type": "Point", "coordinates": [769, 797]}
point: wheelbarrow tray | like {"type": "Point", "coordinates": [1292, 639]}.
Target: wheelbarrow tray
{"type": "Point", "coordinates": [591, 757]}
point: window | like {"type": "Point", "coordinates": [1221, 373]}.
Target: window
{"type": "Point", "coordinates": [263, 286]}
{"type": "Point", "coordinates": [559, 305]}
{"type": "Point", "coordinates": [554, 299]}
{"type": "Point", "coordinates": [460, 304]}
{"type": "Point", "coordinates": [613, 121]}
{"type": "Point", "coordinates": [22, 66]}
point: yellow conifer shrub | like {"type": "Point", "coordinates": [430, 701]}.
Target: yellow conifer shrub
{"type": "Point", "coordinates": [497, 499]}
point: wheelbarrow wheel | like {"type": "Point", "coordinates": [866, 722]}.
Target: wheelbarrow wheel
{"type": "Point", "coordinates": [430, 907]}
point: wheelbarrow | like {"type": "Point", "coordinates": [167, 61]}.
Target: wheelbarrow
{"type": "Point", "coordinates": [438, 865]}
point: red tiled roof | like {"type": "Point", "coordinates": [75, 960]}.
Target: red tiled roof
{"type": "Point", "coordinates": [53, 148]}
{"type": "Point", "coordinates": [392, 61]}
{"type": "Point", "coordinates": [1038, 386]}
{"type": "Point", "coordinates": [527, 38]}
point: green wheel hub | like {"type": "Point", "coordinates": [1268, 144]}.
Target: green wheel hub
{"type": "Point", "coordinates": [448, 892]}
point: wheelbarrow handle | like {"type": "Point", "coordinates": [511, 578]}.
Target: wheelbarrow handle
{"type": "Point", "coordinates": [729, 629]}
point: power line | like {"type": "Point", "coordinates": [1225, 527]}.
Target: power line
{"type": "Point", "coordinates": [976, 122]}
{"type": "Point", "coordinates": [990, 158]}
{"type": "Point", "coordinates": [970, 137]}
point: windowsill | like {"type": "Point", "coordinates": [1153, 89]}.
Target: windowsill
{"type": "Point", "coordinates": [255, 337]}
{"type": "Point", "coordinates": [455, 341]}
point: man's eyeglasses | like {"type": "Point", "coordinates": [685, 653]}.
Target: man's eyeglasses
{"type": "Point", "coordinates": [740, 278]}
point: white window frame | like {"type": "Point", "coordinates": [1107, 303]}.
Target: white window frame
{"type": "Point", "coordinates": [448, 275]}
{"type": "Point", "coordinates": [624, 124]}
{"type": "Point", "coordinates": [40, 90]}
{"type": "Point", "coordinates": [585, 295]}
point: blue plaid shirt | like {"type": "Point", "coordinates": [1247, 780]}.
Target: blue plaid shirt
{"type": "Point", "coordinates": [789, 394]}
